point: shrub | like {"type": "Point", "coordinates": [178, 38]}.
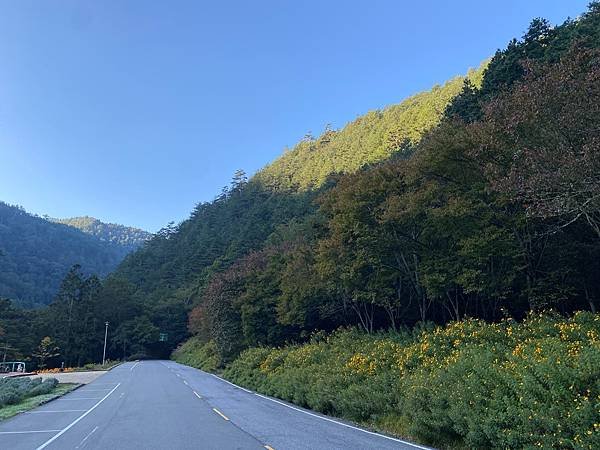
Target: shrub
{"type": "Point", "coordinates": [14, 390]}
{"type": "Point", "coordinates": [197, 354]}
{"type": "Point", "coordinates": [469, 384]}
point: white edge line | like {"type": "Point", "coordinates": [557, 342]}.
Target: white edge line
{"type": "Point", "coordinates": [341, 423]}
{"type": "Point", "coordinates": [55, 411]}
{"type": "Point", "coordinates": [25, 432]}
{"type": "Point", "coordinates": [64, 430]}
{"type": "Point", "coordinates": [324, 418]}
{"type": "Point", "coordinates": [321, 417]}
{"type": "Point", "coordinates": [84, 390]}
{"type": "Point", "coordinates": [234, 385]}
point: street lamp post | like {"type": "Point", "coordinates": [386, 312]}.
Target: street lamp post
{"type": "Point", "coordinates": [105, 335]}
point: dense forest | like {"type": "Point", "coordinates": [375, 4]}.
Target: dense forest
{"type": "Point", "coordinates": [278, 202]}
{"type": "Point", "coordinates": [455, 232]}
{"type": "Point", "coordinates": [471, 219]}
{"type": "Point", "coordinates": [36, 254]}
{"type": "Point", "coordinates": [157, 286]}
{"type": "Point", "coordinates": [73, 325]}
{"type": "Point", "coordinates": [482, 237]}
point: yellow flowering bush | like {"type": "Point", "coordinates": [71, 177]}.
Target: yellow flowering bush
{"type": "Point", "coordinates": [543, 393]}
{"type": "Point", "coordinates": [504, 385]}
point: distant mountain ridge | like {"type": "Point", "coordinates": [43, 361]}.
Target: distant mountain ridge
{"type": "Point", "coordinates": [36, 252]}
{"type": "Point", "coordinates": [128, 237]}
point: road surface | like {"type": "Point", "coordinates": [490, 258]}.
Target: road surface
{"type": "Point", "coordinates": [165, 405]}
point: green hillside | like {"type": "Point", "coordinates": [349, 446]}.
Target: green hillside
{"type": "Point", "coordinates": [465, 262]}
{"type": "Point", "coordinates": [36, 253]}
{"type": "Point", "coordinates": [451, 240]}
{"type": "Point", "coordinates": [179, 259]}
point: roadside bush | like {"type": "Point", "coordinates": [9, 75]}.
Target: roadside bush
{"type": "Point", "coordinates": [14, 390]}
{"type": "Point", "coordinates": [99, 366]}
{"type": "Point", "coordinates": [468, 384]}
{"type": "Point", "coordinates": [197, 354]}
{"type": "Point", "coordinates": [138, 357]}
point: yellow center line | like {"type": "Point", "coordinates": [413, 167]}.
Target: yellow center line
{"type": "Point", "coordinates": [221, 414]}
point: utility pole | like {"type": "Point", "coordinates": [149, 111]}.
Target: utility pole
{"type": "Point", "coordinates": [105, 335]}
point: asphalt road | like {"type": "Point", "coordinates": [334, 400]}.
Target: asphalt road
{"type": "Point", "coordinates": [165, 405]}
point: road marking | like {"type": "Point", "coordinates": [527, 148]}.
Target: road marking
{"type": "Point", "coordinates": [178, 375]}
{"type": "Point", "coordinates": [185, 382]}
{"type": "Point", "coordinates": [133, 367]}
{"type": "Point", "coordinates": [221, 414]}
{"type": "Point", "coordinates": [341, 423]}
{"type": "Point", "coordinates": [57, 411]}
{"type": "Point", "coordinates": [197, 395]}
{"type": "Point", "coordinates": [85, 391]}
{"type": "Point", "coordinates": [25, 432]}
{"type": "Point", "coordinates": [234, 385]}
{"type": "Point", "coordinates": [68, 427]}
{"type": "Point", "coordinates": [78, 398]}
{"type": "Point", "coordinates": [268, 447]}
{"type": "Point", "coordinates": [82, 443]}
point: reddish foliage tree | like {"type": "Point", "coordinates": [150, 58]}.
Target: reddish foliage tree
{"type": "Point", "coordinates": [543, 143]}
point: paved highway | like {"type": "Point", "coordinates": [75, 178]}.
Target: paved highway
{"type": "Point", "coordinates": [165, 405]}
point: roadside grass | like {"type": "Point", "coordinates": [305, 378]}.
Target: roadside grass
{"type": "Point", "coordinates": [29, 403]}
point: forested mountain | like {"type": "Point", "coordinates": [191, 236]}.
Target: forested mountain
{"type": "Point", "coordinates": [128, 238]}
{"type": "Point", "coordinates": [493, 212]}
{"type": "Point", "coordinates": [451, 239]}
{"type": "Point", "coordinates": [467, 262]}
{"type": "Point", "coordinates": [36, 254]}
{"type": "Point", "coordinates": [427, 210]}
{"type": "Point", "coordinates": [179, 260]}
{"type": "Point", "coordinates": [476, 199]}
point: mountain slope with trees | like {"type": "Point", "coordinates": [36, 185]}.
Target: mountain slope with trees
{"type": "Point", "coordinates": [494, 216]}
{"type": "Point", "coordinates": [36, 254]}
{"type": "Point", "coordinates": [467, 254]}
{"type": "Point", "coordinates": [180, 259]}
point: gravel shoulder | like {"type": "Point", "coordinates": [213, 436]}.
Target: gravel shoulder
{"type": "Point", "coordinates": [73, 377]}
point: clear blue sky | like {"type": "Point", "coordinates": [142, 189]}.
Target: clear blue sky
{"type": "Point", "coordinates": [134, 111]}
